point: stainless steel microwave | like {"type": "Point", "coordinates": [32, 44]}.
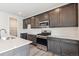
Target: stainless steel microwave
{"type": "Point", "coordinates": [44, 24]}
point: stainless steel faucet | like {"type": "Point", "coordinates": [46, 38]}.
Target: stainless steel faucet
{"type": "Point", "coordinates": [0, 32]}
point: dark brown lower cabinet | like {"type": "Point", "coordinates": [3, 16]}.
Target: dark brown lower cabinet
{"type": "Point", "coordinates": [31, 38]}
{"type": "Point", "coordinates": [63, 47]}
{"type": "Point", "coordinates": [69, 47]}
{"type": "Point", "coordinates": [54, 46]}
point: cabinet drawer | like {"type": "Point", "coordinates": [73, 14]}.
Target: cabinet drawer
{"type": "Point", "coordinates": [63, 40]}
{"type": "Point", "coordinates": [70, 41]}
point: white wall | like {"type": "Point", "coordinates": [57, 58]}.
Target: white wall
{"type": "Point", "coordinates": [4, 21]}
{"type": "Point", "coordinates": [20, 25]}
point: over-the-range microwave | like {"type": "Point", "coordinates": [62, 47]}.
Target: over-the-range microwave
{"type": "Point", "coordinates": [44, 24]}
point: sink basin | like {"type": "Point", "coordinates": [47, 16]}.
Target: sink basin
{"type": "Point", "coordinates": [8, 38]}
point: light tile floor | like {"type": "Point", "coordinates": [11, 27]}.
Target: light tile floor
{"type": "Point", "coordinates": [34, 51]}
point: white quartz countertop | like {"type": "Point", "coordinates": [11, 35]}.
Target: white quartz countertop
{"type": "Point", "coordinates": [6, 45]}
{"type": "Point", "coordinates": [66, 33]}
{"type": "Point", "coordinates": [63, 32]}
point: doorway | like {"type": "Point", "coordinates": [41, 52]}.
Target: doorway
{"type": "Point", "coordinates": [13, 26]}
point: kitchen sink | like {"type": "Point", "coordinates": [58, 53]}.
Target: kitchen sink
{"type": "Point", "coordinates": [8, 38]}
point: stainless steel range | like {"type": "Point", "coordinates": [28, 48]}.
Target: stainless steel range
{"type": "Point", "coordinates": [42, 40]}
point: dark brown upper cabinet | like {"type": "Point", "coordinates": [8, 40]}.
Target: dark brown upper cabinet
{"type": "Point", "coordinates": [68, 15]}
{"type": "Point", "coordinates": [29, 21]}
{"type": "Point", "coordinates": [65, 16]}
{"type": "Point", "coordinates": [39, 18]}
{"type": "Point", "coordinates": [37, 22]}
{"type": "Point", "coordinates": [44, 17]}
{"type": "Point", "coordinates": [54, 18]}
{"type": "Point", "coordinates": [26, 22]}
{"type": "Point", "coordinates": [32, 22]}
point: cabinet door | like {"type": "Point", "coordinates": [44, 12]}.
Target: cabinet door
{"type": "Point", "coordinates": [8, 53]}
{"type": "Point", "coordinates": [69, 48]}
{"type": "Point", "coordinates": [24, 24]}
{"type": "Point", "coordinates": [31, 38]}
{"type": "Point", "coordinates": [32, 22]}
{"type": "Point", "coordinates": [44, 17]}
{"type": "Point", "coordinates": [54, 18]}
{"type": "Point", "coordinates": [54, 46]}
{"type": "Point", "coordinates": [22, 51]}
{"type": "Point", "coordinates": [23, 35]}
{"type": "Point", "coordinates": [29, 21]}
{"type": "Point", "coordinates": [37, 21]}
{"type": "Point", "coordinates": [68, 15]}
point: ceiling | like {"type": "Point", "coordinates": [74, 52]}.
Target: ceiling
{"type": "Point", "coordinates": [28, 9]}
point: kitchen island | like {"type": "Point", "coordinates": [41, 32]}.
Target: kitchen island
{"type": "Point", "coordinates": [14, 47]}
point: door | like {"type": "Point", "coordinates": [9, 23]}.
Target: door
{"type": "Point", "coordinates": [13, 26]}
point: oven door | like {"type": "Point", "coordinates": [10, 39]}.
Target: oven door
{"type": "Point", "coordinates": [42, 41]}
{"type": "Point", "coordinates": [42, 44]}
